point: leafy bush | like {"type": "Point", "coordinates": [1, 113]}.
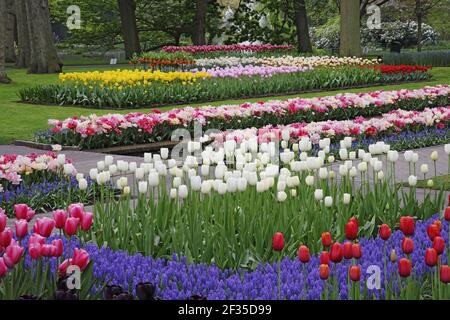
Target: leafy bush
{"type": "Point", "coordinates": [437, 58]}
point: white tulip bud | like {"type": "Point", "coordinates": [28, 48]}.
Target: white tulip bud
{"type": "Point", "coordinates": [183, 191]}
{"type": "Point", "coordinates": [164, 153]}
{"type": "Point", "coordinates": [447, 149]}
{"type": "Point", "coordinates": [343, 154]}
{"type": "Point", "coordinates": [61, 159]}
{"type": "Point", "coordinates": [82, 184]}
{"type": "Point", "coordinates": [93, 174]}
{"type": "Point", "coordinates": [293, 193]}
{"type": "Point", "coordinates": [139, 174]}
{"type": "Point", "coordinates": [281, 196]}
{"type": "Point", "coordinates": [430, 183]}
{"type": "Point", "coordinates": [346, 198]}
{"type": "Point", "coordinates": [309, 180]}
{"type": "Point", "coordinates": [173, 193]}
{"type": "Point", "coordinates": [434, 156]}
{"type": "Point", "coordinates": [143, 187]}
{"type": "Point", "coordinates": [412, 181]}
{"type": "Point", "coordinates": [147, 157]}
{"type": "Point", "coordinates": [318, 194]}
{"type": "Point", "coordinates": [424, 168]}
{"type": "Point", "coordinates": [328, 201]}
{"type": "Point", "coordinates": [126, 190]}
{"type": "Point", "coordinates": [109, 160]}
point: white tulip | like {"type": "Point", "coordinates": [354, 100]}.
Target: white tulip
{"type": "Point", "coordinates": [318, 194]}
{"type": "Point", "coordinates": [79, 176]}
{"type": "Point", "coordinates": [173, 193]}
{"type": "Point", "coordinates": [361, 153]}
{"type": "Point", "coordinates": [153, 179]}
{"type": "Point", "coordinates": [206, 187]}
{"type": "Point", "coordinates": [352, 155]}
{"type": "Point", "coordinates": [61, 159]}
{"type": "Point", "coordinates": [222, 188]}
{"type": "Point", "coordinates": [362, 166]}
{"type": "Point", "coordinates": [343, 170]}
{"type": "Point", "coordinates": [147, 157]}
{"type": "Point", "coordinates": [392, 156]}
{"type": "Point", "coordinates": [408, 155]}
{"type": "Point", "coordinates": [109, 160]}
{"type": "Point", "coordinates": [260, 186]}
{"type": "Point", "coordinates": [343, 154]}
{"type": "Point", "coordinates": [281, 196]}
{"type": "Point", "coordinates": [143, 187]}
{"type": "Point", "coordinates": [348, 142]}
{"type": "Point", "coordinates": [309, 180]}
{"type": "Point", "coordinates": [328, 201]}
{"type": "Point", "coordinates": [412, 181]}
{"type": "Point", "coordinates": [434, 156]}
{"type": "Point", "coordinates": [377, 165]}
{"type": "Point", "coordinates": [82, 184]}
{"type": "Point", "coordinates": [69, 169]}
{"type": "Point", "coordinates": [242, 184]}
{"type": "Point", "coordinates": [331, 159]}
{"type": "Point", "coordinates": [126, 190]}
{"type": "Point", "coordinates": [176, 182]}
{"type": "Point", "coordinates": [93, 173]}
{"type": "Point", "coordinates": [447, 149]}
{"type": "Point", "coordinates": [424, 168]}
{"type": "Point", "coordinates": [281, 185]}
{"type": "Point", "coordinates": [133, 166]}
{"type": "Point", "coordinates": [183, 191]}
{"type": "Point", "coordinates": [323, 173]}
{"type": "Point", "coordinates": [122, 182]}
{"type": "Point", "coordinates": [380, 175]}
{"type": "Point", "coordinates": [415, 157]}
{"type": "Point", "coordinates": [430, 183]}
{"type": "Point", "coordinates": [346, 198]}
{"type": "Point", "coordinates": [139, 174]}
{"type": "Point", "coordinates": [352, 172]}
{"type": "Point", "coordinates": [293, 193]}
{"type": "Point", "coordinates": [164, 153]}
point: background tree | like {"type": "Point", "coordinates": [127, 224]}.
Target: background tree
{"type": "Point", "coordinates": [301, 22]}
{"type": "Point", "coordinates": [350, 35]}
{"type": "Point", "coordinates": [23, 39]}
{"type": "Point", "coordinates": [130, 35]}
{"type": "Point", "coordinates": [3, 76]}
{"type": "Point", "coordinates": [10, 30]}
{"type": "Point", "coordinates": [43, 56]}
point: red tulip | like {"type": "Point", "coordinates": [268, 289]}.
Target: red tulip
{"type": "Point", "coordinates": [347, 250]}
{"type": "Point", "coordinates": [324, 271]}
{"type": "Point", "coordinates": [351, 230]}
{"type": "Point", "coordinates": [76, 210]}
{"type": "Point", "coordinates": [444, 272]}
{"type": "Point", "coordinates": [355, 273]}
{"type": "Point", "coordinates": [60, 217]}
{"type": "Point", "coordinates": [431, 257]}
{"type": "Point", "coordinates": [404, 267]}
{"type": "Point", "coordinates": [407, 245]}
{"type": "Point", "coordinates": [21, 228]}
{"type": "Point", "coordinates": [44, 226]}
{"type": "Point", "coordinates": [336, 252]}
{"type": "Point", "coordinates": [3, 267]}
{"type": "Point", "coordinates": [356, 251]}
{"type": "Point", "coordinates": [80, 258]}
{"type": "Point", "coordinates": [86, 221]}
{"type": "Point", "coordinates": [385, 232]}
{"type": "Point", "coordinates": [71, 226]}
{"type": "Point", "coordinates": [303, 254]}
{"type": "Point", "coordinates": [325, 258]}
{"type": "Point", "coordinates": [326, 239]}
{"type": "Point", "coordinates": [278, 241]}
{"type": "Point", "coordinates": [58, 245]}
{"type": "Point", "coordinates": [35, 250]}
{"type": "Point", "coordinates": [3, 220]}
{"type": "Point", "coordinates": [12, 255]}
{"type": "Point", "coordinates": [447, 214]}
{"type": "Point", "coordinates": [433, 231]}
{"type": "Point", "coordinates": [6, 237]}
{"type": "Point", "coordinates": [407, 225]}
{"type": "Point", "coordinates": [354, 220]}
{"type": "Point", "coordinates": [439, 245]}
{"type": "Point", "coordinates": [438, 223]}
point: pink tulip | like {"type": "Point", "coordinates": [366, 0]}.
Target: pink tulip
{"type": "Point", "coordinates": [44, 226]}
{"type": "Point", "coordinates": [3, 267]}
{"type": "Point", "coordinates": [5, 237]}
{"type": "Point", "coordinates": [35, 250]}
{"type": "Point", "coordinates": [3, 220]}
{"type": "Point", "coordinates": [58, 245]}
{"type": "Point", "coordinates": [60, 217]}
{"type": "Point", "coordinates": [12, 255]}
{"type": "Point", "coordinates": [86, 221]}
{"type": "Point", "coordinates": [21, 228]}
{"type": "Point", "coordinates": [62, 268]}
{"type": "Point", "coordinates": [76, 210]}
{"type": "Point", "coordinates": [71, 226]}
{"type": "Point", "coordinates": [80, 258]}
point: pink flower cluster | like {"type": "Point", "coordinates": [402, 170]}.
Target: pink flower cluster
{"type": "Point", "coordinates": [13, 166]}
{"type": "Point", "coordinates": [93, 124]}
{"type": "Point", "coordinates": [228, 48]}
{"type": "Point", "coordinates": [250, 71]}
{"type": "Point", "coordinates": [395, 120]}
{"type": "Point", "coordinates": [11, 251]}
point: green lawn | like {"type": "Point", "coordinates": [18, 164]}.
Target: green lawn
{"type": "Point", "coordinates": [20, 121]}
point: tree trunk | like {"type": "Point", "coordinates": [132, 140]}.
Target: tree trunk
{"type": "Point", "coordinates": [199, 27]}
{"type": "Point", "coordinates": [3, 77]}
{"type": "Point", "coordinates": [419, 15]}
{"type": "Point", "coordinates": [301, 22]}
{"type": "Point", "coordinates": [43, 56]}
{"type": "Point", "coordinates": [23, 38]}
{"type": "Point", "coordinates": [350, 34]}
{"type": "Point", "coordinates": [9, 37]}
{"type": "Point", "coordinates": [127, 9]}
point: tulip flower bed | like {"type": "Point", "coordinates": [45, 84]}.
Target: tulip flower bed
{"type": "Point", "coordinates": [204, 212]}
{"type": "Point", "coordinates": [121, 90]}
{"type": "Point", "coordinates": [236, 48]}
{"type": "Point", "coordinates": [252, 71]}
{"type": "Point", "coordinates": [135, 128]}
{"type": "Point", "coordinates": [163, 60]}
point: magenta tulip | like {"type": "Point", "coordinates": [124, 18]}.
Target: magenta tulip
{"type": "Point", "coordinates": [46, 250]}
{"type": "Point", "coordinates": [58, 245]}
{"type": "Point", "coordinates": [86, 221]}
{"type": "Point", "coordinates": [76, 210]}
{"type": "Point", "coordinates": [6, 237]}
{"type": "Point", "coordinates": [12, 255]}
{"type": "Point", "coordinates": [35, 250]}
{"type": "Point", "coordinates": [36, 238]}
{"type": "Point", "coordinates": [24, 212]}
{"type": "Point", "coordinates": [62, 268]}
{"type": "Point", "coordinates": [60, 217]}
{"type": "Point", "coordinates": [3, 220]}
{"type": "Point", "coordinates": [44, 226]}
{"type": "Point", "coordinates": [71, 226]}
{"type": "Point", "coordinates": [80, 258]}
{"type": "Point", "coordinates": [21, 228]}
{"type": "Point", "coordinates": [3, 267]}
